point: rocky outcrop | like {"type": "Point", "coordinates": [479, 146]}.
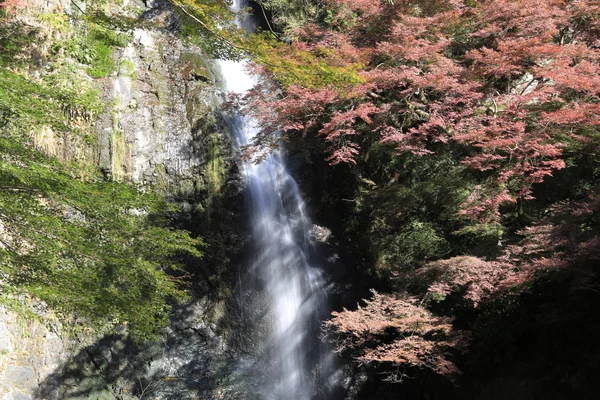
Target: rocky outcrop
{"type": "Point", "coordinates": [30, 350]}
{"type": "Point", "coordinates": [162, 102]}
{"type": "Point", "coordinates": [190, 361]}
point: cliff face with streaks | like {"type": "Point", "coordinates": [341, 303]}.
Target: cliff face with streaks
{"type": "Point", "coordinates": [160, 128]}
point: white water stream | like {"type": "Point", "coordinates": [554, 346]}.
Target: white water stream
{"type": "Point", "coordinates": [294, 365]}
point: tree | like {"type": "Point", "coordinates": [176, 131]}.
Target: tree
{"type": "Point", "coordinates": [10, 6]}
{"type": "Point", "coordinates": [89, 248]}
{"type": "Point", "coordinates": [508, 80]}
{"type": "Point", "coordinates": [466, 134]}
{"type": "Point", "coordinates": [98, 250]}
{"type": "Point", "coordinates": [397, 331]}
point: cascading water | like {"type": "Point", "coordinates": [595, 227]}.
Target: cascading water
{"type": "Point", "coordinates": [292, 364]}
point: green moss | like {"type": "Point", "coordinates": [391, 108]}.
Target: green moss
{"type": "Point", "coordinates": [59, 21]}
{"type": "Point", "coordinates": [117, 144]}
{"type": "Point", "coordinates": [160, 184]}
{"type": "Point", "coordinates": [194, 64]}
{"type": "Point", "coordinates": [127, 69]}
{"type": "Point", "coordinates": [196, 110]}
{"type": "Point", "coordinates": [215, 170]}
{"type": "Point", "coordinates": [117, 153]}
{"type": "Point", "coordinates": [93, 45]}
{"type": "Point", "coordinates": [103, 63]}
{"type": "Point", "coordinates": [101, 41]}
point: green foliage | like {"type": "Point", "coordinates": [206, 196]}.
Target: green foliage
{"type": "Point", "coordinates": [478, 232]}
{"type": "Point", "coordinates": [292, 66]}
{"type": "Point", "coordinates": [210, 25]}
{"type": "Point", "coordinates": [103, 64]}
{"type": "Point", "coordinates": [289, 15]}
{"type": "Point", "coordinates": [93, 45]}
{"type": "Point", "coordinates": [25, 104]}
{"type": "Point", "coordinates": [406, 207]}
{"type": "Point", "coordinates": [116, 22]}
{"type": "Point", "coordinates": [98, 249]}
{"type": "Point", "coordinates": [215, 171]}
{"type": "Point", "coordinates": [13, 38]}
{"type": "Point", "coordinates": [415, 243]}
{"type": "Point", "coordinates": [56, 20]}
{"type": "Point", "coordinates": [215, 47]}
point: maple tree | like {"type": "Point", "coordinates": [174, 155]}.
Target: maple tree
{"type": "Point", "coordinates": [460, 123]}
{"type": "Point", "coordinates": [508, 79]}
{"type": "Point", "coordinates": [423, 338]}
{"type": "Point", "coordinates": [10, 6]}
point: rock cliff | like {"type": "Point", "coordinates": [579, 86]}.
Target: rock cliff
{"type": "Point", "coordinates": [160, 128]}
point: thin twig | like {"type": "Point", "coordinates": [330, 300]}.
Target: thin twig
{"type": "Point", "coordinates": [267, 20]}
{"type": "Point", "coordinates": [229, 42]}
{"type": "Point", "coordinates": [79, 8]}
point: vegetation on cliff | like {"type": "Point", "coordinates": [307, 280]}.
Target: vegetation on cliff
{"type": "Point", "coordinates": [87, 246]}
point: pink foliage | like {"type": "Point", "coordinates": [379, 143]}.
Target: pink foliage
{"type": "Point", "coordinates": [544, 247]}
{"type": "Point", "coordinates": [482, 205]}
{"type": "Point", "coordinates": [479, 279]}
{"type": "Point", "coordinates": [522, 19]}
{"type": "Point", "coordinates": [342, 122]}
{"type": "Point", "coordinates": [504, 98]}
{"type": "Point", "coordinates": [399, 330]}
{"type": "Point", "coordinates": [11, 6]}
{"type": "Point", "coordinates": [424, 339]}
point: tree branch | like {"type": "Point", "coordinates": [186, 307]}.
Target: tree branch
{"type": "Point", "coordinates": [202, 24]}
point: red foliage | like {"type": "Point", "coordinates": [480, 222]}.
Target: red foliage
{"type": "Point", "coordinates": [479, 279]}
{"type": "Point", "coordinates": [423, 338]}
{"type": "Point", "coordinates": [586, 22]}
{"type": "Point", "coordinates": [508, 86]}
{"type": "Point", "coordinates": [544, 247]}
{"type": "Point", "coordinates": [400, 331]}
{"type": "Point", "coordinates": [509, 79]}
{"type": "Point", "coordinates": [11, 6]}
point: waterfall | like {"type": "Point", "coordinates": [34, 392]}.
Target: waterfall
{"type": "Point", "coordinates": [293, 364]}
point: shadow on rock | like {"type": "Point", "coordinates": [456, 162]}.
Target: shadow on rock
{"type": "Point", "coordinates": [190, 361]}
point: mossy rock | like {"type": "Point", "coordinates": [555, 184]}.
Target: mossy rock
{"type": "Point", "coordinates": [196, 110]}
{"type": "Point", "coordinates": [194, 67]}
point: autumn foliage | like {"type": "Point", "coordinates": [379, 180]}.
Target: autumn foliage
{"type": "Point", "coordinates": [422, 336]}
{"type": "Point", "coordinates": [512, 80]}
{"type": "Point", "coordinates": [505, 94]}
{"type": "Point", "coordinates": [10, 6]}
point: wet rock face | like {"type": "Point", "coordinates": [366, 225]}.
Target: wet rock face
{"type": "Point", "coordinates": [161, 102]}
